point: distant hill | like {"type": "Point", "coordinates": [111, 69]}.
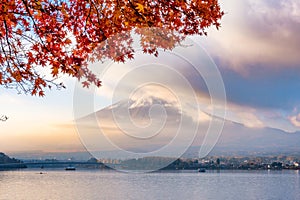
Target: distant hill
{"type": "Point", "coordinates": [4, 159]}
{"type": "Point", "coordinates": [42, 155]}
{"type": "Point", "coordinates": [7, 163]}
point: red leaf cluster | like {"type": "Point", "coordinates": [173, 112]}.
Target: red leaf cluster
{"type": "Point", "coordinates": [62, 36]}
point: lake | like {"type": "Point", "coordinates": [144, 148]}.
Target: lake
{"type": "Point", "coordinates": [96, 184]}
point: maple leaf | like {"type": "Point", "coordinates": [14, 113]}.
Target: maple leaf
{"type": "Point", "coordinates": [68, 41]}
{"type": "Point", "coordinates": [140, 7]}
{"type": "Point", "coordinates": [41, 93]}
{"type": "Point", "coordinates": [86, 84]}
{"type": "Point", "coordinates": [54, 71]}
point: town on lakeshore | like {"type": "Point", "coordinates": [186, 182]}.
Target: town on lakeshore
{"type": "Point", "coordinates": [208, 163]}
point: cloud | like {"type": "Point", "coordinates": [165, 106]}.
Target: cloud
{"type": "Point", "coordinates": [257, 32]}
{"type": "Point", "coordinates": [248, 119]}
{"type": "Point", "coordinates": [295, 120]}
{"type": "Point", "coordinates": [267, 89]}
{"type": "Point", "coordinates": [257, 52]}
{"type": "Point", "coordinates": [251, 99]}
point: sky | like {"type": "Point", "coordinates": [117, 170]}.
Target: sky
{"type": "Point", "coordinates": [256, 51]}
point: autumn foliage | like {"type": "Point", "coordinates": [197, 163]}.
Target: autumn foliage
{"type": "Point", "coordinates": [42, 39]}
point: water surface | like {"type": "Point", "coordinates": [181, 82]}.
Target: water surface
{"type": "Point", "coordinates": [94, 184]}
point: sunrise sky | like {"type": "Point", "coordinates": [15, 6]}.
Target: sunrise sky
{"type": "Point", "coordinates": [256, 50]}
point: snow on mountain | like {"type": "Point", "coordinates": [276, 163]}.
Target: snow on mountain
{"type": "Point", "coordinates": [147, 122]}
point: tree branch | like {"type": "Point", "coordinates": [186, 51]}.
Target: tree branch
{"type": "Point", "coordinates": [3, 118]}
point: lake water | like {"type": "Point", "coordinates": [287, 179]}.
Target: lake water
{"type": "Point", "coordinates": [93, 184]}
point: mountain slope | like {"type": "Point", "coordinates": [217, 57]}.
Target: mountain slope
{"type": "Point", "coordinates": [4, 159]}
{"type": "Point", "coordinates": [150, 122]}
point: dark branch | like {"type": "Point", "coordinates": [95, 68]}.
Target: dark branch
{"type": "Point", "coordinates": [3, 118]}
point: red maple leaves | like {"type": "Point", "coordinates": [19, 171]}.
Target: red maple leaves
{"type": "Point", "coordinates": [37, 36]}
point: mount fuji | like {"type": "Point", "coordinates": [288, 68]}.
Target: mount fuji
{"type": "Point", "coordinates": [149, 122]}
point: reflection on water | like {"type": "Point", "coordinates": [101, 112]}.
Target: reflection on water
{"type": "Point", "coordinates": [95, 184]}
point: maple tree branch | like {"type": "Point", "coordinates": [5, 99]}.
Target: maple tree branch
{"type": "Point", "coordinates": [26, 37]}
{"type": "Point", "coordinates": [136, 11]}
{"type": "Point", "coordinates": [35, 33]}
{"type": "Point", "coordinates": [3, 118]}
{"type": "Point", "coordinates": [98, 19]}
{"type": "Point", "coordinates": [6, 36]}
{"type": "Point", "coordinates": [60, 85]}
{"type": "Point", "coordinates": [33, 21]}
{"type": "Point", "coordinates": [88, 17]}
{"type": "Point", "coordinates": [6, 56]}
